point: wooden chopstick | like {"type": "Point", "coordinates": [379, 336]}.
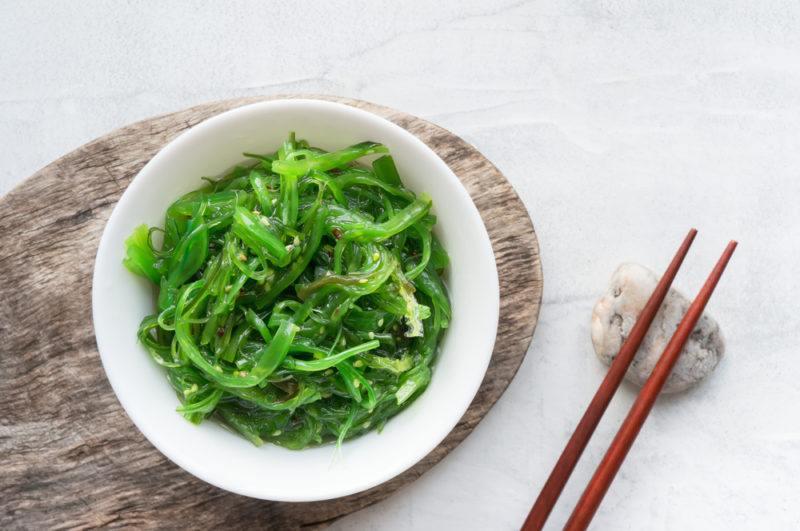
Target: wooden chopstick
{"type": "Point", "coordinates": [604, 475]}
{"type": "Point", "coordinates": [594, 412]}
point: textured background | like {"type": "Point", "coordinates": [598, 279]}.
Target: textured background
{"type": "Point", "coordinates": [620, 124]}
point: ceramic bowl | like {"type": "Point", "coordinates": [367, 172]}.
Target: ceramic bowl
{"type": "Point", "coordinates": [209, 451]}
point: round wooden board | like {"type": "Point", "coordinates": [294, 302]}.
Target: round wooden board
{"type": "Point", "coordinates": [71, 457]}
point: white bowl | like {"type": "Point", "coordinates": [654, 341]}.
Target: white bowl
{"type": "Point", "coordinates": [224, 459]}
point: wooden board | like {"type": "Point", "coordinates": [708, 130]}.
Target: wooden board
{"type": "Point", "coordinates": [70, 455]}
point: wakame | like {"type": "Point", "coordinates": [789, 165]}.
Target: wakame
{"type": "Point", "coordinates": [300, 297]}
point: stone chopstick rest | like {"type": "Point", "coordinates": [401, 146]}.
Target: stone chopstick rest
{"type": "Point", "coordinates": [615, 313]}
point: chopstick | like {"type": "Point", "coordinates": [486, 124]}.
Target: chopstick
{"type": "Point", "coordinates": [607, 470]}
{"type": "Point", "coordinates": [594, 412]}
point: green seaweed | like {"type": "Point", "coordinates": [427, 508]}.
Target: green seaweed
{"type": "Point", "coordinates": [300, 297]}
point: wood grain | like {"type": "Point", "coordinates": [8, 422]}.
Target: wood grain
{"type": "Point", "coordinates": [71, 457]}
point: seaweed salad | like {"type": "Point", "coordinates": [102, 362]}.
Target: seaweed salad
{"type": "Point", "coordinates": [300, 296]}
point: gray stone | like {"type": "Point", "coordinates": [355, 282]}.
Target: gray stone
{"type": "Point", "coordinates": [616, 312]}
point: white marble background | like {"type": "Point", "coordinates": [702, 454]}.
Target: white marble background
{"type": "Point", "coordinates": [620, 123]}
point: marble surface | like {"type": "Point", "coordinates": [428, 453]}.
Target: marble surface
{"type": "Point", "coordinates": [620, 123]}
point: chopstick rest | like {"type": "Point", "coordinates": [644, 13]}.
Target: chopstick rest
{"type": "Point", "coordinates": [616, 312]}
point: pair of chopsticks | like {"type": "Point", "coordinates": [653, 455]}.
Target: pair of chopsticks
{"type": "Point", "coordinates": [607, 470]}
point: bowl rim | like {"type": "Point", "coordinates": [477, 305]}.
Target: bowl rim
{"type": "Point", "coordinates": [187, 136]}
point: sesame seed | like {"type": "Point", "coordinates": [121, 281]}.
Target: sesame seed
{"type": "Point", "coordinates": [362, 281]}
{"type": "Point", "coordinates": [328, 372]}
{"type": "Point", "coordinates": [289, 248]}
{"type": "Point", "coordinates": [356, 383]}
{"type": "Point", "coordinates": [380, 321]}
{"type": "Point", "coordinates": [376, 256]}
{"type": "Point", "coordinates": [265, 221]}
{"type": "Point", "coordinates": [242, 373]}
{"type": "Point", "coordinates": [358, 363]}
{"type": "Point", "coordinates": [228, 288]}
{"type": "Point", "coordinates": [242, 257]}
{"type": "Point", "coordinates": [217, 368]}
{"type": "Point", "coordinates": [371, 335]}
{"type": "Point", "coordinates": [276, 433]}
{"type": "Point", "coordinates": [274, 200]}
{"type": "Point", "coordinates": [365, 425]}
{"type": "Point", "coordinates": [296, 240]}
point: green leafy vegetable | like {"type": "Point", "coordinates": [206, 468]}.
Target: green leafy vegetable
{"type": "Point", "coordinates": [299, 297]}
